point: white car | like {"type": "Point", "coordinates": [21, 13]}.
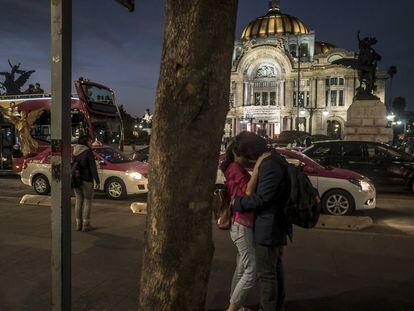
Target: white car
{"type": "Point", "coordinates": [342, 191]}
{"type": "Point", "coordinates": [118, 174]}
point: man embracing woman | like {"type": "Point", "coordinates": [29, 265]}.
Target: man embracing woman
{"type": "Point", "coordinates": [259, 228]}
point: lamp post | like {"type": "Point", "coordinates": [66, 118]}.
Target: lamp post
{"type": "Point", "coordinates": [298, 86]}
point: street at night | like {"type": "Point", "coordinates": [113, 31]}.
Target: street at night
{"type": "Point", "coordinates": [325, 269]}
{"type": "Point", "coordinates": [206, 155]}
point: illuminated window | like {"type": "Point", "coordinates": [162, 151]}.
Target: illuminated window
{"type": "Point", "coordinates": [273, 98]}
{"type": "Point", "coordinates": [257, 99]}
{"type": "Point", "coordinates": [265, 97]}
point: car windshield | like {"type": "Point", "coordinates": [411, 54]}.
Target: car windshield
{"type": "Point", "coordinates": [113, 156]}
{"type": "Point", "coordinates": [302, 158]}
{"type": "Point", "coordinates": [389, 153]}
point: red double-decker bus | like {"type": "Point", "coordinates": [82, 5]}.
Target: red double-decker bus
{"type": "Point", "coordinates": [94, 112]}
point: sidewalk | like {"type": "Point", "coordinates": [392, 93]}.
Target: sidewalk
{"type": "Point", "coordinates": [325, 270]}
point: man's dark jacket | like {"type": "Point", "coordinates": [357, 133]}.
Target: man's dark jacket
{"type": "Point", "coordinates": [268, 202]}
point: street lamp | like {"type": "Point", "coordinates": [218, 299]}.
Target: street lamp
{"type": "Point", "coordinates": [325, 113]}
{"type": "Point", "coordinates": [391, 117]}
{"type": "Point", "coordinates": [298, 85]}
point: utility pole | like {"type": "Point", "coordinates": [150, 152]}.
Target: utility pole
{"type": "Point", "coordinates": [61, 50]}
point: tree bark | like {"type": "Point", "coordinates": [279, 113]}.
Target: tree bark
{"type": "Point", "coordinates": [191, 106]}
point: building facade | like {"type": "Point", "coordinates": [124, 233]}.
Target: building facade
{"type": "Point", "coordinates": [283, 79]}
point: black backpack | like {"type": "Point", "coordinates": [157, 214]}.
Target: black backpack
{"type": "Point", "coordinates": [76, 181]}
{"type": "Point", "coordinates": [303, 206]}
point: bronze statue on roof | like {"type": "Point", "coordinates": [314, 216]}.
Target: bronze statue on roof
{"type": "Point", "coordinates": [11, 84]}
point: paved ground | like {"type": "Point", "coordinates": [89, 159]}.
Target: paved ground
{"type": "Point", "coordinates": [326, 270]}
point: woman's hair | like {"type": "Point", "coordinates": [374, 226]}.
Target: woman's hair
{"type": "Point", "coordinates": [84, 140]}
{"type": "Point", "coordinates": [247, 145]}
{"type": "Point", "coordinates": [229, 156]}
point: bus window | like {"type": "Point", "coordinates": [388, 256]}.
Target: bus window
{"type": "Point", "coordinates": [41, 128]}
{"type": "Point", "coordinates": [97, 95]}
{"type": "Point", "coordinates": [79, 125]}
{"type": "Point", "coordinates": [106, 131]}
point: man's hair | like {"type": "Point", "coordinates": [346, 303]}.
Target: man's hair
{"type": "Point", "coordinates": [84, 140]}
{"type": "Point", "coordinates": [247, 145]}
{"type": "Point", "coordinates": [250, 145]}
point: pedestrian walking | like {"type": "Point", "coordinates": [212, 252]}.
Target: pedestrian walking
{"type": "Point", "coordinates": [85, 162]}
{"type": "Point", "coordinates": [240, 183]}
{"type": "Point", "coordinates": [271, 228]}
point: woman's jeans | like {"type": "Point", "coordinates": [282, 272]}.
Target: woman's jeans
{"type": "Point", "coordinates": [84, 195]}
{"type": "Point", "coordinates": [244, 277]}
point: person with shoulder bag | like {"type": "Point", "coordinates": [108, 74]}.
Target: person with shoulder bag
{"type": "Point", "coordinates": [240, 183]}
{"type": "Point", "coordinates": [271, 227]}
{"type": "Point", "coordinates": [84, 173]}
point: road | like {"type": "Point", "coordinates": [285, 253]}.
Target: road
{"type": "Point", "coordinates": [394, 212]}
{"type": "Point", "coordinates": [328, 270]}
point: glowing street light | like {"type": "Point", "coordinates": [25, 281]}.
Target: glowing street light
{"type": "Point", "coordinates": [391, 117]}
{"type": "Point", "coordinates": [325, 113]}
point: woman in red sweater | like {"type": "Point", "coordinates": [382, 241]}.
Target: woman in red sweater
{"type": "Point", "coordinates": [240, 183]}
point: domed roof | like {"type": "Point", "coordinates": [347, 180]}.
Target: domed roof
{"type": "Point", "coordinates": [323, 47]}
{"type": "Point", "coordinates": [274, 23]}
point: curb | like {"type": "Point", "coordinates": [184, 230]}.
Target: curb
{"type": "Point", "coordinates": [33, 199]}
{"type": "Point", "coordinates": [139, 208]}
{"type": "Point", "coordinates": [351, 223]}
{"type": "Point", "coordinates": [39, 200]}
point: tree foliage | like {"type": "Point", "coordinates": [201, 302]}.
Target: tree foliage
{"type": "Point", "coordinates": [398, 105]}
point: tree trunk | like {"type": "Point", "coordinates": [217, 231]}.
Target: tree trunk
{"type": "Point", "coordinates": [191, 105]}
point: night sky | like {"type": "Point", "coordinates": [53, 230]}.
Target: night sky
{"type": "Point", "coordinates": [122, 50]}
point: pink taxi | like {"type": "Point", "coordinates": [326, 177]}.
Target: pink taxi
{"type": "Point", "coordinates": [119, 175]}
{"type": "Point", "coordinates": [342, 191]}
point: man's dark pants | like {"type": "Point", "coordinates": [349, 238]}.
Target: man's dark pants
{"type": "Point", "coordinates": [271, 277]}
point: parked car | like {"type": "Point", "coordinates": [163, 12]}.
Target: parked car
{"type": "Point", "coordinates": [320, 137]}
{"type": "Point", "coordinates": [289, 137]}
{"type": "Point", "coordinates": [342, 191]}
{"type": "Point", "coordinates": [141, 154]}
{"type": "Point", "coordinates": [119, 175]}
{"type": "Point", "coordinates": [381, 163]}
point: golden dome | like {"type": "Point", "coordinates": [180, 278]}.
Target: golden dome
{"type": "Point", "coordinates": [323, 47]}
{"type": "Point", "coordinates": [274, 23]}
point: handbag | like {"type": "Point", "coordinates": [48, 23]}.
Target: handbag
{"type": "Point", "coordinates": [223, 208]}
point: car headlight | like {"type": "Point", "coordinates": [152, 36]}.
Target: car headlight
{"type": "Point", "coordinates": [133, 175]}
{"type": "Point", "coordinates": [366, 186]}
{"type": "Point", "coordinates": [362, 184]}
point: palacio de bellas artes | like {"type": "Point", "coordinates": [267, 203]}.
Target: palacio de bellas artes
{"type": "Point", "coordinates": [274, 52]}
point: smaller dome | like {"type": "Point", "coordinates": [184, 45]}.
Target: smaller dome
{"type": "Point", "coordinates": [274, 23]}
{"type": "Point", "coordinates": [323, 47]}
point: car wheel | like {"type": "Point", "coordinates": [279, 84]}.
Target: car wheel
{"type": "Point", "coordinates": [338, 203]}
{"type": "Point", "coordinates": [115, 189]}
{"type": "Point", "coordinates": [41, 185]}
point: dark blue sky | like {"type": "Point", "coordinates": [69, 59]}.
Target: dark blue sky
{"type": "Point", "coordinates": [122, 50]}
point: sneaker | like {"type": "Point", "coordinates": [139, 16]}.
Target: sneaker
{"type": "Point", "coordinates": [87, 227]}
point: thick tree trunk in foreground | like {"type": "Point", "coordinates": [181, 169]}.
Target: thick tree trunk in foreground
{"type": "Point", "coordinates": [191, 105]}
